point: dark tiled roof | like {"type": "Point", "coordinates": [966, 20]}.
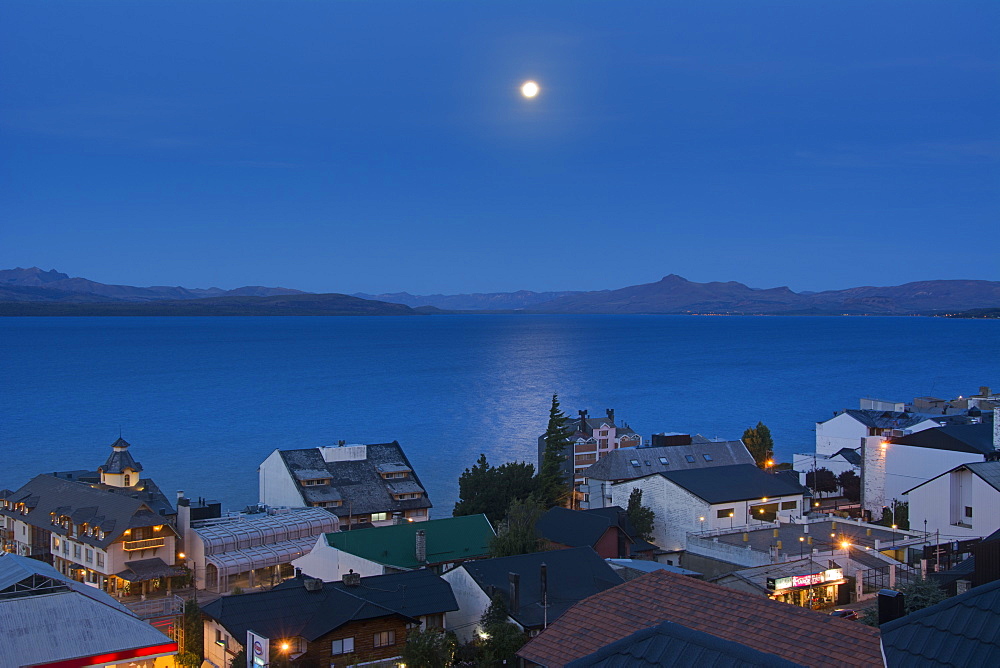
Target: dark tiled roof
{"type": "Point", "coordinates": [959, 631]}
{"type": "Point", "coordinates": [118, 461]}
{"type": "Point", "coordinates": [617, 464]}
{"type": "Point", "coordinates": [358, 483]}
{"type": "Point", "coordinates": [100, 507]}
{"type": "Point", "coordinates": [670, 645]}
{"type": "Point", "coordinates": [788, 631]}
{"type": "Point", "coordinates": [977, 438]}
{"type": "Point", "coordinates": [574, 528]}
{"type": "Point", "coordinates": [290, 610]}
{"type": "Point", "coordinates": [885, 419]}
{"type": "Point", "coordinates": [148, 569]}
{"type": "Point", "coordinates": [988, 471]}
{"type": "Point", "coordinates": [852, 456]}
{"type": "Point", "coordinates": [573, 575]}
{"type": "Point", "coordinates": [721, 484]}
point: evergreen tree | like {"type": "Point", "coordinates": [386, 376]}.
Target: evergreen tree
{"type": "Point", "coordinates": [194, 646]}
{"type": "Point", "coordinates": [553, 488]}
{"type": "Point", "coordinates": [491, 489]}
{"type": "Point", "coordinates": [430, 648]}
{"type": "Point", "coordinates": [760, 444]}
{"type": "Point", "coordinates": [640, 516]}
{"type": "Point", "coordinates": [851, 484]}
{"type": "Point", "coordinates": [516, 534]}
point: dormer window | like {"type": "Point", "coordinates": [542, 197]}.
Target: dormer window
{"type": "Point", "coordinates": [663, 460]}
{"type": "Point", "coordinates": [634, 462]}
{"type": "Point", "coordinates": [689, 458]}
{"type": "Point", "coordinates": [394, 476]}
{"type": "Point", "coordinates": [128, 480]}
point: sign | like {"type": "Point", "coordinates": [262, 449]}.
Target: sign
{"type": "Point", "coordinates": [805, 580]}
{"type": "Point", "coordinates": [258, 650]}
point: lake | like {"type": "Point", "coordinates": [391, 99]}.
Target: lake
{"type": "Point", "coordinates": [204, 400]}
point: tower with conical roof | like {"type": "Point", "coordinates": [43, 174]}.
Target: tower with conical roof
{"type": "Point", "coordinates": [120, 470]}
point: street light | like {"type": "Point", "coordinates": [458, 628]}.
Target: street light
{"type": "Point", "coordinates": [702, 520]}
{"type": "Point", "coordinates": [731, 515]}
{"type": "Point", "coordinates": [802, 542]}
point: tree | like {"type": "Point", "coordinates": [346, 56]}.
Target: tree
{"type": "Point", "coordinates": [239, 660]}
{"type": "Point", "coordinates": [851, 484]}
{"type": "Point", "coordinates": [429, 648]}
{"type": "Point", "coordinates": [500, 639]}
{"type": "Point", "coordinates": [918, 594]}
{"type": "Point", "coordinates": [553, 487]}
{"type": "Point", "coordinates": [516, 534]}
{"type": "Point", "coordinates": [193, 633]}
{"type": "Point", "coordinates": [491, 489]}
{"type": "Point", "coordinates": [760, 444]}
{"type": "Point", "coordinates": [821, 480]}
{"type": "Point", "coordinates": [640, 516]}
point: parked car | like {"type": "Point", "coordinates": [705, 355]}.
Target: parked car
{"type": "Point", "coordinates": [845, 614]}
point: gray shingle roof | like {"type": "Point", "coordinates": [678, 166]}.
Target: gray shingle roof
{"type": "Point", "coordinates": [112, 512]}
{"type": "Point", "coordinates": [671, 645]}
{"type": "Point", "coordinates": [959, 631]}
{"type": "Point", "coordinates": [617, 464]}
{"type": "Point", "coordinates": [885, 419]}
{"type": "Point", "coordinates": [977, 438]}
{"type": "Point", "coordinates": [118, 461]}
{"type": "Point", "coordinates": [722, 484]}
{"type": "Point", "coordinates": [359, 483]}
{"type": "Point", "coordinates": [290, 610]}
{"type": "Point", "coordinates": [573, 575]}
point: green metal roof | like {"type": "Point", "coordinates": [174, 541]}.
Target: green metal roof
{"type": "Point", "coordinates": [450, 539]}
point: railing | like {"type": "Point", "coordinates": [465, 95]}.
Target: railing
{"type": "Point", "coordinates": [169, 606]}
{"type": "Point", "coordinates": [147, 544]}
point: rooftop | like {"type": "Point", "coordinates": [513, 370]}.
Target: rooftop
{"type": "Point", "coordinates": [631, 463]}
{"type": "Point", "coordinates": [790, 632]}
{"type": "Point", "coordinates": [974, 438]}
{"type": "Point", "coordinates": [826, 534]}
{"type": "Point", "coordinates": [741, 482]}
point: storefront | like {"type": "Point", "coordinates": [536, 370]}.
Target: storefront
{"type": "Point", "coordinates": [812, 590]}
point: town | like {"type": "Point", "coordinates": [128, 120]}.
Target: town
{"type": "Point", "coordinates": [878, 546]}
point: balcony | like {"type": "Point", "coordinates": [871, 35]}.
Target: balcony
{"type": "Point", "coordinates": [147, 544]}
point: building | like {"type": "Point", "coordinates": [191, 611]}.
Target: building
{"type": "Point", "coordinates": [438, 545]}
{"type": "Point", "coordinates": [800, 636]}
{"type": "Point", "coordinates": [959, 504]}
{"type": "Point", "coordinates": [250, 548]}
{"type": "Point", "coordinates": [358, 483]}
{"type": "Point", "coordinates": [607, 530]}
{"type": "Point", "coordinates": [591, 440]}
{"type": "Point", "coordinates": [49, 619]}
{"type": "Point", "coordinates": [669, 452]}
{"type": "Point", "coordinates": [803, 582]}
{"type": "Point", "coordinates": [704, 499]}
{"type": "Point", "coordinates": [536, 588]}
{"type": "Point", "coordinates": [309, 622]}
{"type": "Point", "coordinates": [960, 631]}
{"type": "Point", "coordinates": [94, 534]}
{"type": "Point", "coordinates": [847, 428]}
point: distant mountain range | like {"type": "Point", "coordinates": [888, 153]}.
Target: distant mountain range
{"type": "Point", "coordinates": [37, 292]}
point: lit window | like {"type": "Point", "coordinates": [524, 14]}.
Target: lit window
{"type": "Point", "coordinates": [385, 638]}
{"type": "Point", "coordinates": [343, 646]}
{"type": "Point", "coordinates": [380, 517]}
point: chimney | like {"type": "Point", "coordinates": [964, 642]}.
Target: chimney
{"type": "Point", "coordinates": [341, 444]}
{"type": "Point", "coordinates": [298, 572]}
{"type": "Point", "coordinates": [544, 575]}
{"type": "Point", "coordinates": [397, 518]}
{"type": "Point", "coordinates": [421, 546]}
{"type": "Point", "coordinates": [891, 605]}
{"type": "Point", "coordinates": [611, 415]}
{"type": "Point", "coordinates": [984, 390]}
{"type": "Point", "coordinates": [352, 579]}
{"type": "Point", "coordinates": [312, 584]}
{"type": "Point", "coordinates": [583, 422]}
{"type": "Point", "coordinates": [514, 592]}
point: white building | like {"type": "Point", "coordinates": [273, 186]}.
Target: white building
{"type": "Point", "coordinates": [704, 499]}
{"type": "Point", "coordinates": [960, 504]}
{"type": "Point", "coordinates": [845, 430]}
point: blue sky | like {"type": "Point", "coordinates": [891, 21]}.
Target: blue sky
{"type": "Point", "coordinates": [383, 146]}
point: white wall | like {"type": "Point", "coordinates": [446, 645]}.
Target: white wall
{"type": "Point", "coordinates": [472, 603]}
{"type": "Point", "coordinates": [907, 466]}
{"type": "Point", "coordinates": [277, 486]}
{"type": "Point", "coordinates": [676, 511]}
{"type": "Point", "coordinates": [330, 564]}
{"type": "Point", "coordinates": [933, 502]}
{"type": "Point", "coordinates": [839, 432]}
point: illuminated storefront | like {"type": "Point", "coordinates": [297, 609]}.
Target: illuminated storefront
{"type": "Point", "coordinates": [812, 590]}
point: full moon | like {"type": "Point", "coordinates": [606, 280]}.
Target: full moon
{"type": "Point", "coordinates": [529, 89]}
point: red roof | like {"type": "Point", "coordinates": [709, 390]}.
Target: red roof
{"type": "Point", "coordinates": [793, 633]}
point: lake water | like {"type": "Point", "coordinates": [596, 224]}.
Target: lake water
{"type": "Point", "coordinates": [204, 400]}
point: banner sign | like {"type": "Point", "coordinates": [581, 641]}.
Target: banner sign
{"type": "Point", "coordinates": [258, 650]}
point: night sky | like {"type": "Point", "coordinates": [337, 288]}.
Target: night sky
{"type": "Point", "coordinates": [385, 146]}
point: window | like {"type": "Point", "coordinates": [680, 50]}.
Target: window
{"type": "Point", "coordinates": [76, 551]}
{"type": "Point", "coordinates": [663, 460]}
{"type": "Point", "coordinates": [647, 463]}
{"type": "Point", "coordinates": [726, 512]}
{"type": "Point", "coordinates": [343, 646]}
{"type": "Point", "coordinates": [689, 458]}
{"type": "Point", "coordinates": [968, 511]}
{"type": "Point", "coordinates": [65, 548]}
{"type": "Point", "coordinates": [634, 462]}
{"type": "Point", "coordinates": [100, 558]}
{"type": "Point", "coordinates": [380, 517]}
{"type": "Point", "coordinates": [90, 556]}
{"type": "Point", "coordinates": [707, 457]}
{"type": "Point", "coordinates": [789, 505]}
{"type": "Point", "coordinates": [128, 478]}
{"type": "Point", "coordinates": [385, 638]}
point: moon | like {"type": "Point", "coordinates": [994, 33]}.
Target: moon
{"type": "Point", "coordinates": [529, 89]}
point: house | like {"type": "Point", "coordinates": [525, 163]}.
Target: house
{"type": "Point", "coordinates": [591, 440]}
{"type": "Point", "coordinates": [49, 619]}
{"type": "Point", "coordinates": [358, 483]}
{"type": "Point", "coordinates": [536, 588]}
{"type": "Point", "coordinates": [607, 530]}
{"type": "Point", "coordinates": [250, 548]}
{"type": "Point", "coordinates": [704, 499]}
{"type": "Point", "coordinates": [438, 545]}
{"type": "Point", "coordinates": [961, 503]}
{"type": "Point", "coordinates": [92, 533]}
{"type": "Point", "coordinates": [670, 452]}
{"type": "Point", "coordinates": [960, 631]}
{"type": "Point", "coordinates": [308, 622]}
{"type": "Point", "coordinates": [846, 429]}
{"type": "Point", "coordinates": [891, 466]}
{"type": "Point", "coordinates": [672, 645]}
{"type": "Point", "coordinates": [797, 635]}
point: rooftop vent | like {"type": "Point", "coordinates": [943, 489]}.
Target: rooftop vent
{"type": "Point", "coordinates": [352, 579]}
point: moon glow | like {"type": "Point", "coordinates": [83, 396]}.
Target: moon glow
{"type": "Point", "coordinates": [529, 89]}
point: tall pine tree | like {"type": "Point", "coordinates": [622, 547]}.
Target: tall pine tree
{"type": "Point", "coordinates": [553, 487]}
